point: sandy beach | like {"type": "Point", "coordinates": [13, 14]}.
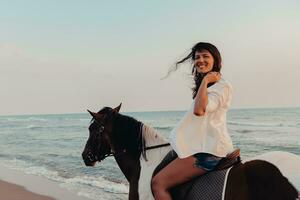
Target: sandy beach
{"type": "Point", "coordinates": [14, 192]}
{"type": "Point", "coordinates": [16, 185]}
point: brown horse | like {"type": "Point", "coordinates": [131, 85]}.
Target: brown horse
{"type": "Point", "coordinates": [138, 149]}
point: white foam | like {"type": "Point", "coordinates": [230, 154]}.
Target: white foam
{"type": "Point", "coordinates": [32, 126]}
{"type": "Point", "coordinates": [99, 182]}
{"type": "Point", "coordinates": [257, 124]}
{"type": "Point", "coordinates": [86, 186]}
{"type": "Point", "coordinates": [27, 168]}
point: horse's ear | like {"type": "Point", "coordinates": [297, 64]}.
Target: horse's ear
{"type": "Point", "coordinates": [117, 109]}
{"type": "Point", "coordinates": [96, 116]}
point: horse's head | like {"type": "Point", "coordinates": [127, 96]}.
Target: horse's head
{"type": "Point", "coordinates": [98, 145]}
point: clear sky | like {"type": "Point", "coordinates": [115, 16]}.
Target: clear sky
{"type": "Point", "coordinates": [64, 56]}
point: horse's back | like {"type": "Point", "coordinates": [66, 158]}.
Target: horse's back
{"type": "Point", "coordinates": [287, 163]}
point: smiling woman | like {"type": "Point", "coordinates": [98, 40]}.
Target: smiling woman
{"type": "Point", "coordinates": [201, 138]}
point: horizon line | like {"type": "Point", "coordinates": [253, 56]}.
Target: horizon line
{"type": "Point", "coordinates": [148, 111]}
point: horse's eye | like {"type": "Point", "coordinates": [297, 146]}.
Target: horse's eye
{"type": "Point", "coordinates": [99, 132]}
{"type": "Point", "coordinates": [101, 129]}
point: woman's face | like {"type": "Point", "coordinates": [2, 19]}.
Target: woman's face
{"type": "Point", "coordinates": [204, 61]}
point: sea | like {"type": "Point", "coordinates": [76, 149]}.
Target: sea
{"type": "Point", "coordinates": [50, 146]}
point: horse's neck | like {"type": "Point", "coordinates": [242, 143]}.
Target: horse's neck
{"type": "Point", "coordinates": [287, 163]}
{"type": "Point", "coordinates": [126, 142]}
{"type": "Point", "coordinates": [154, 157]}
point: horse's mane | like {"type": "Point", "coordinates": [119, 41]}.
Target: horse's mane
{"type": "Point", "coordinates": [134, 135]}
{"type": "Point", "coordinates": [150, 138]}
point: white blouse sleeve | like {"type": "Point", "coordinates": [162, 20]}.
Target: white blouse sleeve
{"type": "Point", "coordinates": [219, 97]}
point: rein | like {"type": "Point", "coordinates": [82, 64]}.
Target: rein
{"type": "Point", "coordinates": [157, 146]}
{"type": "Point", "coordinates": [147, 148]}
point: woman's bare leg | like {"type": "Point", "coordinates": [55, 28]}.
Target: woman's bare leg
{"type": "Point", "coordinates": [177, 172]}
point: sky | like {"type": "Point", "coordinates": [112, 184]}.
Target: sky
{"type": "Point", "coordinates": [68, 56]}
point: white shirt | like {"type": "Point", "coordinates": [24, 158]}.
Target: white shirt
{"type": "Point", "coordinates": [207, 133]}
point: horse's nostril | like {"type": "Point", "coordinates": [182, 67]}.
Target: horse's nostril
{"type": "Point", "coordinates": [90, 156]}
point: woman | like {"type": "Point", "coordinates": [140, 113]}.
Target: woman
{"type": "Point", "coordinates": [200, 139]}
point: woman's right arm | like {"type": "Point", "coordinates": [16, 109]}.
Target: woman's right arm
{"type": "Point", "coordinates": [201, 97]}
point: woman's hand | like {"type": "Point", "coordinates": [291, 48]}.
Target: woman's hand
{"type": "Point", "coordinates": [212, 77]}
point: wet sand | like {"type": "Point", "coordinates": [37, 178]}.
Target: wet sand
{"type": "Point", "coordinates": [10, 191]}
{"type": "Point", "coordinates": [16, 185]}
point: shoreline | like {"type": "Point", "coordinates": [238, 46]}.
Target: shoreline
{"type": "Point", "coordinates": [16, 185]}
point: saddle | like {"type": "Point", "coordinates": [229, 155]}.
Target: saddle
{"type": "Point", "coordinates": [198, 188]}
{"type": "Point", "coordinates": [230, 160]}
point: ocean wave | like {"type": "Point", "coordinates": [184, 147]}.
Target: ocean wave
{"type": "Point", "coordinates": [51, 155]}
{"type": "Point", "coordinates": [29, 168]}
{"type": "Point", "coordinates": [98, 194]}
{"type": "Point", "coordinates": [91, 187]}
{"type": "Point", "coordinates": [4, 156]}
{"type": "Point", "coordinates": [163, 127]}
{"type": "Point", "coordinates": [244, 131]}
{"type": "Point", "coordinates": [85, 120]}
{"type": "Point", "coordinates": [27, 119]}
{"type": "Point", "coordinates": [34, 127]}
{"type": "Point", "coordinates": [253, 124]}
{"type": "Point", "coordinates": [73, 126]}
{"type": "Point", "coordinates": [100, 182]}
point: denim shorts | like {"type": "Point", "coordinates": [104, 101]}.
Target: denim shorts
{"type": "Point", "coordinates": [206, 161]}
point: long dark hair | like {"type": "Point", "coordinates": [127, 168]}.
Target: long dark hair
{"type": "Point", "coordinates": [191, 56]}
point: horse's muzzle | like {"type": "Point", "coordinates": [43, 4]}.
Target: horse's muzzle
{"type": "Point", "coordinates": [89, 159]}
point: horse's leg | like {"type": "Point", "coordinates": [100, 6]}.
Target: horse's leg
{"type": "Point", "coordinates": [177, 172]}
{"type": "Point", "coordinates": [131, 169]}
{"type": "Point", "coordinates": [133, 190]}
